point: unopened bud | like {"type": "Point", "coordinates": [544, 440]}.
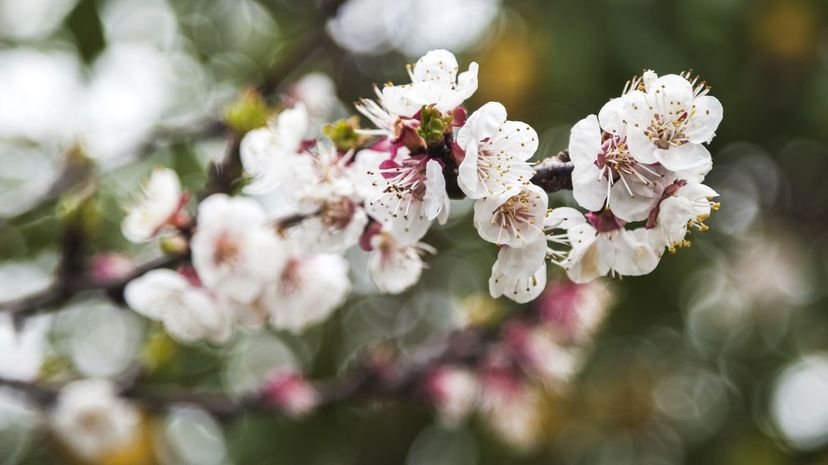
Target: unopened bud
{"type": "Point", "coordinates": [174, 245]}
{"type": "Point", "coordinates": [291, 393]}
{"type": "Point", "coordinates": [248, 112]}
{"type": "Point", "coordinates": [343, 133]}
{"type": "Point", "coordinates": [433, 125]}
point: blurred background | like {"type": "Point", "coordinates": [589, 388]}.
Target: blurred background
{"type": "Point", "coordinates": [718, 357]}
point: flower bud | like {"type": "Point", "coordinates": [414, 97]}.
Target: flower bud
{"type": "Point", "coordinates": [291, 393]}
{"type": "Point", "coordinates": [248, 112]}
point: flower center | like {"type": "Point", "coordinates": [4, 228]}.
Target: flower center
{"type": "Point", "coordinates": [668, 131]}
{"type": "Point", "coordinates": [291, 280]}
{"type": "Point", "coordinates": [336, 215]}
{"type": "Point", "coordinates": [404, 181]}
{"type": "Point", "coordinates": [226, 250]}
{"type": "Point", "coordinates": [616, 162]}
{"type": "Point", "coordinates": [515, 214]}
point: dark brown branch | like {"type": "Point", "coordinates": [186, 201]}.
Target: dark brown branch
{"type": "Point", "coordinates": [554, 173]}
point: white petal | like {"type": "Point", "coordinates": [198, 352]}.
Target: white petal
{"type": "Point", "coordinates": [585, 141]}
{"type": "Point", "coordinates": [591, 256]}
{"type": "Point", "coordinates": [318, 285]}
{"type": "Point", "coordinates": [707, 115]}
{"type": "Point", "coordinates": [521, 261]}
{"type": "Point", "coordinates": [435, 194]}
{"type": "Point", "coordinates": [684, 157]}
{"type": "Point", "coordinates": [637, 206]}
{"type": "Point", "coordinates": [516, 139]}
{"type": "Point", "coordinates": [151, 293]}
{"type": "Point", "coordinates": [611, 117]}
{"type": "Point", "coordinates": [633, 254]}
{"type": "Point", "coordinates": [291, 127]}
{"type": "Point", "coordinates": [641, 147]}
{"type": "Point", "coordinates": [438, 66]}
{"type": "Point", "coordinates": [521, 289]}
{"type": "Point", "coordinates": [589, 187]}
{"type": "Point", "coordinates": [467, 178]}
{"type": "Point", "coordinates": [563, 218]}
{"type": "Point", "coordinates": [482, 124]}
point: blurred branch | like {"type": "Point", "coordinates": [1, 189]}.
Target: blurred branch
{"type": "Point", "coordinates": [365, 383]}
{"type": "Point", "coordinates": [68, 284]}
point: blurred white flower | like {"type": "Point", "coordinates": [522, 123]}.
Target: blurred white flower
{"type": "Point", "coordinates": [317, 92]}
{"type": "Point", "coordinates": [191, 437]}
{"type": "Point", "coordinates": [20, 423]}
{"type": "Point", "coordinates": [599, 244]}
{"type": "Point", "coordinates": [513, 218]}
{"type": "Point", "coordinates": [409, 193]}
{"type": "Point", "coordinates": [307, 291]}
{"type": "Point", "coordinates": [189, 313]}
{"type": "Point", "coordinates": [396, 266]}
{"type": "Point", "coordinates": [799, 405]}
{"type": "Point", "coordinates": [496, 152]}
{"type": "Point", "coordinates": [92, 421]}
{"type": "Point", "coordinates": [669, 120]}
{"type": "Point", "coordinates": [512, 410]}
{"type": "Point", "coordinates": [99, 337]}
{"type": "Point", "coordinates": [574, 312]}
{"type": "Point", "coordinates": [454, 392]}
{"type": "Point", "coordinates": [41, 93]}
{"type": "Point", "coordinates": [130, 87]}
{"type": "Point", "coordinates": [157, 206]}
{"type": "Point", "coordinates": [22, 351]}
{"type": "Point", "coordinates": [32, 19]}
{"type": "Point", "coordinates": [265, 152]}
{"type": "Point", "coordinates": [235, 250]}
{"type": "Point", "coordinates": [374, 26]}
{"type": "Point", "coordinates": [519, 273]}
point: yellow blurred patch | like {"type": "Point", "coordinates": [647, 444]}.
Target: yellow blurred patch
{"type": "Point", "coordinates": [787, 29]}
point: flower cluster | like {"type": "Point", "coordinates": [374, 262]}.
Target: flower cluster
{"type": "Point", "coordinates": [277, 253]}
{"type": "Point", "coordinates": [641, 160]}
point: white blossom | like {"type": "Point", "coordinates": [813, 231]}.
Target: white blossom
{"type": "Point", "coordinates": [434, 81]}
{"type": "Point", "coordinates": [22, 351]}
{"type": "Point", "coordinates": [685, 205]}
{"type": "Point", "coordinates": [496, 152]}
{"type": "Point", "coordinates": [599, 246]}
{"type": "Point", "coordinates": [307, 291]}
{"type": "Point", "coordinates": [409, 193]}
{"type": "Point", "coordinates": [322, 191]}
{"type": "Point", "coordinates": [92, 421]}
{"type": "Point", "coordinates": [669, 120]}
{"type": "Point", "coordinates": [235, 250]}
{"type": "Point", "coordinates": [606, 172]}
{"type": "Point", "coordinates": [519, 273]}
{"type": "Point", "coordinates": [265, 151]}
{"type": "Point", "coordinates": [189, 313]}
{"type": "Point", "coordinates": [159, 203]}
{"type": "Point", "coordinates": [396, 266]}
{"type": "Point", "coordinates": [513, 218]}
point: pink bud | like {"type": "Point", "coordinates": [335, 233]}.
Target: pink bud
{"type": "Point", "coordinates": [290, 392]}
{"type": "Point", "coordinates": [109, 267]}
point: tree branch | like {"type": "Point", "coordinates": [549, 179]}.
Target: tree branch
{"type": "Point", "coordinates": [554, 174]}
